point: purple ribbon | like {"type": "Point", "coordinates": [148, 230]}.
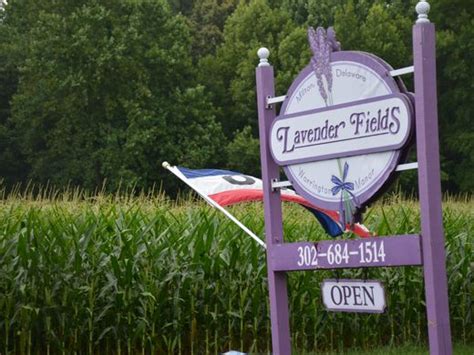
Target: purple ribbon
{"type": "Point", "coordinates": [341, 186]}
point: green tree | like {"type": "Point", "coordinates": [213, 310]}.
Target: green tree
{"type": "Point", "coordinates": [375, 29]}
{"type": "Point", "coordinates": [104, 90]}
{"type": "Point", "coordinates": [107, 92]}
{"type": "Point", "coordinates": [455, 68]}
{"type": "Point", "coordinates": [297, 9]}
{"type": "Point", "coordinates": [230, 75]}
{"type": "Point", "coordinates": [243, 153]}
{"type": "Point", "coordinates": [182, 6]}
{"type": "Point", "coordinates": [322, 12]}
{"type": "Point", "coordinates": [12, 163]}
{"type": "Point", "coordinates": [207, 24]}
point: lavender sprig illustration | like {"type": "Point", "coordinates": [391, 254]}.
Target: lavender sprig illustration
{"type": "Point", "coordinates": [322, 47]}
{"type": "Point", "coordinates": [331, 36]}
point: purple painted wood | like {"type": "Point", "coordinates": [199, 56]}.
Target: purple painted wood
{"type": "Point", "coordinates": [403, 250]}
{"type": "Point", "coordinates": [434, 257]}
{"type": "Point", "coordinates": [273, 215]}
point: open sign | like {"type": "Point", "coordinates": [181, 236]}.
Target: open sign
{"type": "Point", "coordinates": [353, 296]}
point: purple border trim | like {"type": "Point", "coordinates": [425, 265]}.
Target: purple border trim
{"type": "Point", "coordinates": [349, 310]}
{"type": "Point", "coordinates": [405, 99]}
{"type": "Point", "coordinates": [380, 68]}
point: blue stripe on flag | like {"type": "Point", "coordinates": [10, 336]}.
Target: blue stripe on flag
{"type": "Point", "coordinates": [330, 226]}
{"type": "Point", "coordinates": [191, 173]}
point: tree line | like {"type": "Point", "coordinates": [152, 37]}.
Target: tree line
{"type": "Point", "coordinates": [96, 92]}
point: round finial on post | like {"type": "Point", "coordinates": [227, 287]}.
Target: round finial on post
{"type": "Point", "coordinates": [263, 53]}
{"type": "Point", "coordinates": [422, 9]}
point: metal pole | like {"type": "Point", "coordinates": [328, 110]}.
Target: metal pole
{"type": "Point", "coordinates": [272, 205]}
{"type": "Point", "coordinates": [434, 256]}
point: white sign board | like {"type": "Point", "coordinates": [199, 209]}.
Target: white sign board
{"type": "Point", "coordinates": [361, 127]}
{"type": "Point", "coordinates": [357, 158]}
{"type": "Point", "coordinates": [353, 296]}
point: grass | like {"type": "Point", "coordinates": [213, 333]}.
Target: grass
{"type": "Point", "coordinates": [142, 274]}
{"type": "Point", "coordinates": [458, 349]}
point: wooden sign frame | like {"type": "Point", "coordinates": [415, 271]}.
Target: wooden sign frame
{"type": "Point", "coordinates": [425, 249]}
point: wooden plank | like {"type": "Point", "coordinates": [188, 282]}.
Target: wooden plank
{"type": "Point", "coordinates": [402, 250]}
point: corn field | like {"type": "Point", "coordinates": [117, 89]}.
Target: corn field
{"type": "Point", "coordinates": [115, 274]}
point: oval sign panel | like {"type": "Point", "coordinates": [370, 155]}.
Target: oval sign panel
{"type": "Point", "coordinates": [342, 129]}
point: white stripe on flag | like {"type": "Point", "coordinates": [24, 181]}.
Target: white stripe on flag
{"type": "Point", "coordinates": [213, 203]}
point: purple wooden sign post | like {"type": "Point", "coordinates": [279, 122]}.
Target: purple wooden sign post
{"type": "Point", "coordinates": [427, 250]}
{"type": "Point", "coordinates": [434, 266]}
{"type": "Point", "coordinates": [272, 205]}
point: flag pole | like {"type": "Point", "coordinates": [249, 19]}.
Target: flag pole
{"type": "Point", "coordinates": [213, 203]}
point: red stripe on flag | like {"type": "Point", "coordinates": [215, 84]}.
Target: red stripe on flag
{"type": "Point", "coordinates": [228, 198]}
{"type": "Point", "coordinates": [231, 197]}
